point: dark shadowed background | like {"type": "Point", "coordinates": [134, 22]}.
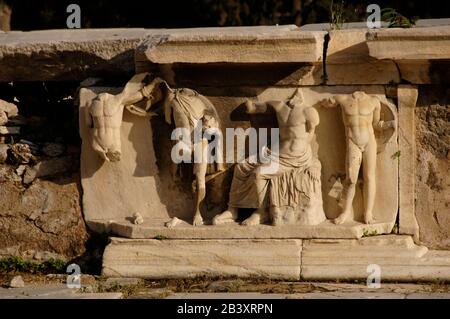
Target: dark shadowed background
{"type": "Point", "coordinates": [51, 14]}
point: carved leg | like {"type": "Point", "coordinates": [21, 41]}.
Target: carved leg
{"type": "Point", "coordinates": [228, 216]}
{"type": "Point", "coordinates": [353, 164]}
{"type": "Point", "coordinates": [260, 216]}
{"type": "Point", "coordinates": [369, 170]}
{"type": "Point", "coordinates": [200, 172]}
{"type": "Point", "coordinates": [200, 196]}
{"type": "Point", "coordinates": [220, 160]}
{"type": "Point", "coordinates": [277, 218]}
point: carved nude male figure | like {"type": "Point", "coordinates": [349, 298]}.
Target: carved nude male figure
{"type": "Point", "coordinates": [104, 114]}
{"type": "Point", "coordinates": [250, 183]}
{"type": "Point", "coordinates": [361, 115]}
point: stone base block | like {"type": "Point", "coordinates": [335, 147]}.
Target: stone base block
{"type": "Point", "coordinates": [150, 258]}
{"type": "Point", "coordinates": [156, 228]}
{"type": "Point", "coordinates": [398, 257]}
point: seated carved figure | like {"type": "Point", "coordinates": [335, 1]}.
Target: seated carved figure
{"type": "Point", "coordinates": [278, 186]}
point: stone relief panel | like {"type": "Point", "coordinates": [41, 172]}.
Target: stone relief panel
{"type": "Point", "coordinates": [335, 159]}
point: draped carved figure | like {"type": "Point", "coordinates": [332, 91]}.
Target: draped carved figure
{"type": "Point", "coordinates": [284, 188]}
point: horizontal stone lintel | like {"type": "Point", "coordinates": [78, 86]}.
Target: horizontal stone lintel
{"type": "Point", "coordinates": [233, 45]}
{"type": "Point", "coordinates": [73, 55]}
{"type": "Point", "coordinates": [431, 43]}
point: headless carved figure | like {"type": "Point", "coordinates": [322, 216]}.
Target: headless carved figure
{"type": "Point", "coordinates": [190, 109]}
{"type": "Point", "coordinates": [296, 126]}
{"type": "Point", "coordinates": [104, 114]}
{"type": "Point", "coordinates": [361, 115]}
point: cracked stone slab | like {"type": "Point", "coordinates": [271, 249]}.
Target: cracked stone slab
{"type": "Point", "coordinates": [276, 259]}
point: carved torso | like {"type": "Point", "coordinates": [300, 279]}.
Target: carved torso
{"type": "Point", "coordinates": [105, 114]}
{"type": "Point", "coordinates": [294, 122]}
{"type": "Point", "coordinates": [357, 114]}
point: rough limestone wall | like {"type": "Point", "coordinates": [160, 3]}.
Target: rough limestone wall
{"type": "Point", "coordinates": [40, 210]}
{"type": "Point", "coordinates": [433, 166]}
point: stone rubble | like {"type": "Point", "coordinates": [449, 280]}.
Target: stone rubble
{"type": "Point", "coordinates": [21, 153]}
{"type": "Point", "coordinates": [17, 282]}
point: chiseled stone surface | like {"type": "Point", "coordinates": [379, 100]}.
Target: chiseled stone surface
{"type": "Point", "coordinates": [233, 45]}
{"type": "Point", "coordinates": [277, 259]}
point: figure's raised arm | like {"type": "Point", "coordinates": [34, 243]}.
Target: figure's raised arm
{"type": "Point", "coordinates": [255, 107]}
{"type": "Point", "coordinates": [150, 91]}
